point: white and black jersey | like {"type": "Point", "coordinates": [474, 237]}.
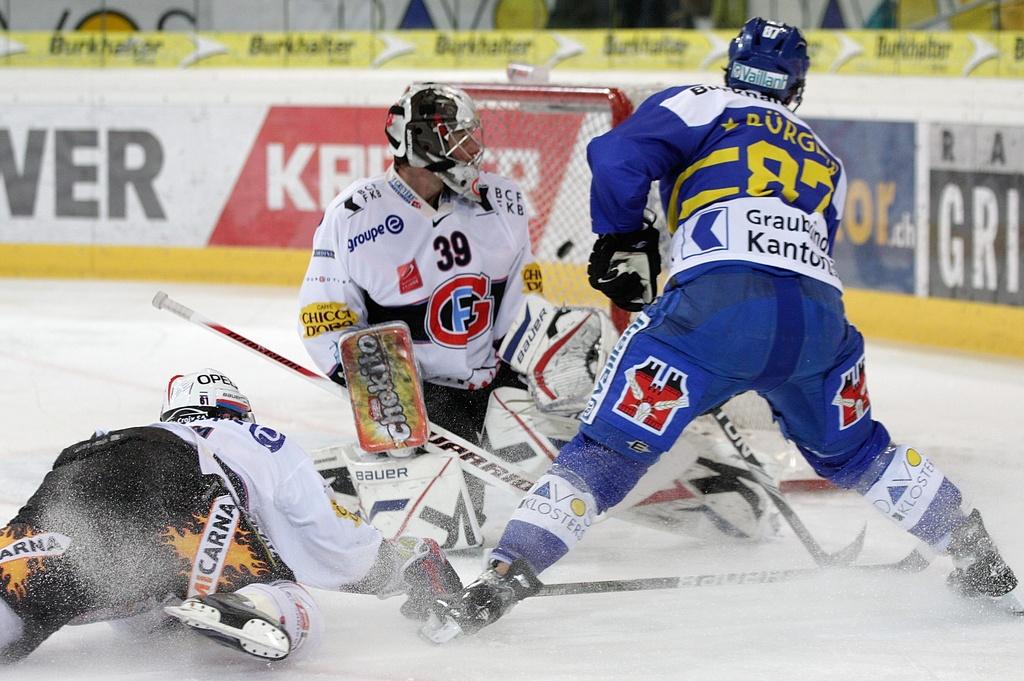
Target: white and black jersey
{"type": "Point", "coordinates": [324, 545]}
{"type": "Point", "coordinates": [456, 275]}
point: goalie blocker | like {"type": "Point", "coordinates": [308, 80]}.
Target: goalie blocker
{"type": "Point", "coordinates": [384, 387]}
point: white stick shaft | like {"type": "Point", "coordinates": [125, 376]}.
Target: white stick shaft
{"type": "Point", "coordinates": [162, 301]}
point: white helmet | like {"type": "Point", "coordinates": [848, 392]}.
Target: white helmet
{"type": "Point", "coordinates": [205, 394]}
{"type": "Point", "coordinates": [436, 127]}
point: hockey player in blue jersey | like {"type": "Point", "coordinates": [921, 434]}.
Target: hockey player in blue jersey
{"type": "Point", "coordinates": [752, 302]}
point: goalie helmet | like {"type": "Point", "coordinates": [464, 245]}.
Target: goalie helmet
{"type": "Point", "coordinates": [206, 394]}
{"type": "Point", "coordinates": [436, 127]}
{"type": "Point", "coordinates": [769, 57]}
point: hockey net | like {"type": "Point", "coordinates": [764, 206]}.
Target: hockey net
{"type": "Point", "coordinates": [537, 135]}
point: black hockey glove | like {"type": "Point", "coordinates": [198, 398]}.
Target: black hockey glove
{"type": "Point", "coordinates": [625, 267]}
{"type": "Point", "coordinates": [481, 603]}
{"type": "Point", "coordinates": [427, 575]}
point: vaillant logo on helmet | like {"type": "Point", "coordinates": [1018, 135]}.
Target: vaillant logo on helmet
{"type": "Point", "coordinates": [768, 79]}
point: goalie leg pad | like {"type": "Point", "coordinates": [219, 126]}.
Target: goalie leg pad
{"type": "Point", "coordinates": [514, 430]}
{"type": "Point", "coordinates": [702, 488]}
{"type": "Point", "coordinates": [423, 495]}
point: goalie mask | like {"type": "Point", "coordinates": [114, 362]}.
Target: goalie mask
{"type": "Point", "coordinates": [206, 394]}
{"type": "Point", "coordinates": [436, 127]}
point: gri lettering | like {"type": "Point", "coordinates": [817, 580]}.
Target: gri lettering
{"type": "Point", "coordinates": [967, 237]}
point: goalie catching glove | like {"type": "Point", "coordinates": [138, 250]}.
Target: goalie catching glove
{"type": "Point", "coordinates": [625, 266]}
{"type": "Point", "coordinates": [559, 351]}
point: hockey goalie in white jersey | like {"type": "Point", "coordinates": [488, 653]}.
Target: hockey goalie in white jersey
{"type": "Point", "coordinates": [445, 247]}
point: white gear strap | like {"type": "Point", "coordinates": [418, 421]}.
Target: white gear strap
{"type": "Point", "coordinates": [517, 431]}
{"type": "Point", "coordinates": [225, 514]}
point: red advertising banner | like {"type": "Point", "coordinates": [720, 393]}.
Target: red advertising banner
{"type": "Point", "coordinates": [302, 157]}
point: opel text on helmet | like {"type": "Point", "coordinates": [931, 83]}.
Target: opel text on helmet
{"type": "Point", "coordinates": [205, 394]}
{"type": "Point", "coordinates": [436, 127]}
{"type": "Point", "coordinates": [771, 58]}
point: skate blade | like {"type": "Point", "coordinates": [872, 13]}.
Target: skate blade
{"type": "Point", "coordinates": [1011, 602]}
{"type": "Point", "coordinates": [437, 632]}
{"type": "Point", "coordinates": [256, 637]}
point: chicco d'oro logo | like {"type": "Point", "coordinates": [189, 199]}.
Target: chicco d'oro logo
{"type": "Point", "coordinates": [460, 310]}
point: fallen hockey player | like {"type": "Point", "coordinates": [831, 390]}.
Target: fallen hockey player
{"type": "Point", "coordinates": [218, 519]}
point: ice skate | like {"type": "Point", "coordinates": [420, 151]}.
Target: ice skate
{"type": "Point", "coordinates": [980, 570]}
{"type": "Point", "coordinates": [233, 620]}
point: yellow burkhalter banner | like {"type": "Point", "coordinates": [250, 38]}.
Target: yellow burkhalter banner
{"type": "Point", "coordinates": [956, 54]}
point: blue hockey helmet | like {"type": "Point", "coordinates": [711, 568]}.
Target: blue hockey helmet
{"type": "Point", "coordinates": [769, 57]}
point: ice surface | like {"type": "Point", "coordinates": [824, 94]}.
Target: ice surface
{"type": "Point", "coordinates": [77, 355]}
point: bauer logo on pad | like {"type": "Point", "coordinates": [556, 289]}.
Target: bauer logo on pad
{"type": "Point", "coordinates": [385, 388]}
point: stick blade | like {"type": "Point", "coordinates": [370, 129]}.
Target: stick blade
{"type": "Point", "coordinates": [847, 555]}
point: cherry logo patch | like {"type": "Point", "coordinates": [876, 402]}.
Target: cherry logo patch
{"type": "Point", "coordinates": [652, 394]}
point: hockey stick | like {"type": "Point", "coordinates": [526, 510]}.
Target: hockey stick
{"type": "Point", "coordinates": [842, 557]}
{"type": "Point", "coordinates": [914, 562]}
{"type": "Point", "coordinates": [478, 462]}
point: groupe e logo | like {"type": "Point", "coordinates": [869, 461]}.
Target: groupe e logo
{"type": "Point", "coordinates": [393, 224]}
